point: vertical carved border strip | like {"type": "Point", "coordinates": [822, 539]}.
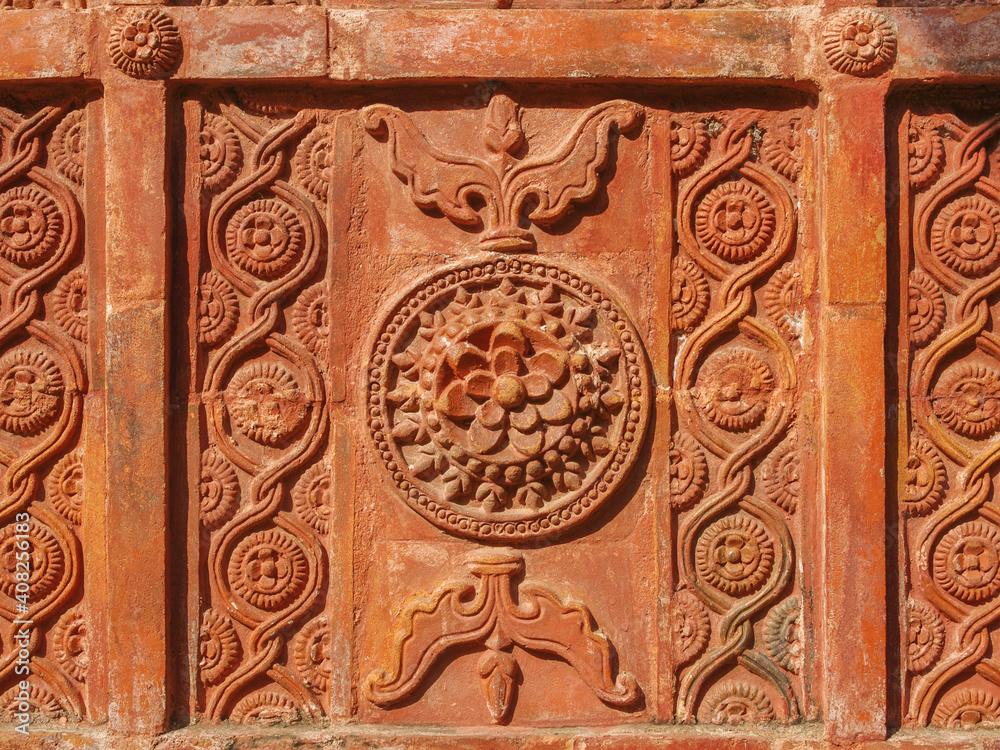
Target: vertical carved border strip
{"type": "Point", "coordinates": [735, 460]}
{"type": "Point", "coordinates": [265, 482]}
{"type": "Point", "coordinates": [43, 335]}
{"type": "Point", "coordinates": [950, 525]}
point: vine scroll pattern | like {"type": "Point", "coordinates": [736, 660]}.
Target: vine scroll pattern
{"type": "Point", "coordinates": [950, 522]}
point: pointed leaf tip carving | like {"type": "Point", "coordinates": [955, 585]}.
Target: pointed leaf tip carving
{"type": "Point", "coordinates": [494, 194]}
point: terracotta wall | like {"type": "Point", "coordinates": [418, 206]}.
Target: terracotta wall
{"type": "Point", "coordinates": [591, 375]}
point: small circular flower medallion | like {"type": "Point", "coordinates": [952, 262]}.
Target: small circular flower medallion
{"type": "Point", "coordinates": [735, 221]}
{"type": "Point", "coordinates": [31, 388]}
{"type": "Point", "coordinates": [313, 653]}
{"type": "Point", "coordinates": [69, 303]}
{"type": "Point", "coordinates": [968, 400]}
{"type": "Point", "coordinates": [266, 709]}
{"type": "Point", "coordinates": [219, 489]}
{"type": "Point", "coordinates": [688, 471]}
{"type": "Point", "coordinates": [967, 562]}
{"type": "Point", "coordinates": [311, 497]}
{"type": "Point", "coordinates": [734, 390]}
{"type": "Point", "coordinates": [71, 644]}
{"type": "Point", "coordinates": [218, 309]}
{"type": "Point", "coordinates": [31, 226]}
{"type": "Point", "coordinates": [926, 478]}
{"type": "Point", "coordinates": [735, 703]}
{"type": "Point", "coordinates": [784, 302]}
{"type": "Point", "coordinates": [265, 238]}
{"type": "Point", "coordinates": [689, 294]}
{"type": "Point", "coordinates": [968, 709]}
{"type": "Point", "coordinates": [268, 569]}
{"type": "Point", "coordinates": [926, 155]}
{"type": "Point", "coordinates": [859, 42]}
{"type": "Point", "coordinates": [781, 476]}
{"type": "Point", "coordinates": [690, 626]}
{"type": "Point", "coordinates": [735, 555]}
{"type": "Point", "coordinates": [507, 399]}
{"type": "Point", "coordinates": [964, 235]}
{"type": "Point", "coordinates": [925, 636]}
{"type": "Point", "coordinates": [220, 152]}
{"type": "Point", "coordinates": [266, 403]}
{"type": "Point", "coordinates": [783, 635]}
{"type": "Point", "coordinates": [688, 144]}
{"type": "Point", "coordinates": [218, 647]}
{"type": "Point", "coordinates": [145, 44]}
{"type": "Point", "coordinates": [65, 487]}
{"type": "Point", "coordinates": [926, 308]}
{"type": "Point", "coordinates": [311, 319]}
{"type": "Point", "coordinates": [69, 146]}
{"type": "Point", "coordinates": [47, 563]}
{"type": "Point", "coordinates": [313, 162]}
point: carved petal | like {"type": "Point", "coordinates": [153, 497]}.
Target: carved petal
{"type": "Point", "coordinates": [537, 385]}
{"type": "Point", "coordinates": [556, 410]}
{"type": "Point", "coordinates": [484, 439]}
{"type": "Point", "coordinates": [554, 365]}
{"type": "Point", "coordinates": [479, 384]}
{"type": "Point", "coordinates": [506, 361]}
{"type": "Point", "coordinates": [529, 445]}
{"type": "Point", "coordinates": [455, 402]}
{"type": "Point", "coordinates": [525, 418]}
{"type": "Point", "coordinates": [491, 414]}
{"type": "Point", "coordinates": [509, 335]}
{"type": "Point", "coordinates": [465, 359]}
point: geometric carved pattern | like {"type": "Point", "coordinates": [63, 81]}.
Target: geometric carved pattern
{"type": "Point", "coordinates": [951, 560]}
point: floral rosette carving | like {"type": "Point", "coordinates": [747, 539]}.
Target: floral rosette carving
{"type": "Point", "coordinates": [218, 309]}
{"type": "Point", "coordinates": [42, 701]}
{"type": "Point", "coordinates": [311, 498]}
{"type": "Point", "coordinates": [784, 302]}
{"type": "Point", "coordinates": [688, 471]}
{"type": "Point", "coordinates": [268, 569]}
{"type": "Point", "coordinates": [65, 487]}
{"type": "Point", "coordinates": [735, 555]}
{"type": "Point", "coordinates": [311, 319]}
{"type": "Point", "coordinates": [69, 303]}
{"type": "Point", "coordinates": [735, 703]}
{"type": "Point", "coordinates": [71, 644]}
{"type": "Point", "coordinates": [31, 388]}
{"type": "Point", "coordinates": [690, 626]}
{"type": "Point", "coordinates": [967, 562]}
{"type": "Point", "coordinates": [735, 389]}
{"type": "Point", "coordinates": [925, 151]}
{"type": "Point", "coordinates": [964, 235]}
{"type": "Point", "coordinates": [219, 489]}
{"type": "Point", "coordinates": [859, 42]}
{"type": "Point", "coordinates": [926, 308]}
{"type": "Point", "coordinates": [783, 635]}
{"type": "Point", "coordinates": [925, 636]}
{"type": "Point", "coordinates": [507, 399]}
{"type": "Point", "coordinates": [689, 294]}
{"type": "Point", "coordinates": [47, 561]}
{"type": "Point", "coordinates": [782, 149]}
{"type": "Point", "coordinates": [688, 144]}
{"type": "Point", "coordinates": [781, 476]}
{"type": "Point", "coordinates": [265, 238]}
{"type": "Point", "coordinates": [266, 709]}
{"type": "Point", "coordinates": [220, 153]}
{"type": "Point", "coordinates": [313, 162]}
{"type": "Point", "coordinates": [968, 400]}
{"type": "Point", "coordinates": [266, 403]}
{"type": "Point", "coordinates": [969, 709]}
{"type": "Point", "coordinates": [145, 44]}
{"type": "Point", "coordinates": [69, 146]}
{"type": "Point", "coordinates": [31, 226]}
{"type": "Point", "coordinates": [926, 479]}
{"type": "Point", "coordinates": [735, 221]}
{"type": "Point", "coordinates": [218, 647]}
{"type": "Point", "coordinates": [313, 653]}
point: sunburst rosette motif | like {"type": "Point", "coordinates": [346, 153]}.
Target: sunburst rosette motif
{"type": "Point", "coordinates": [220, 153]}
{"type": "Point", "coordinates": [968, 709]}
{"type": "Point", "coordinates": [926, 478]}
{"type": "Point", "coordinates": [967, 400]}
{"type": "Point", "coordinates": [859, 42]}
{"type": "Point", "coordinates": [507, 399]}
{"type": "Point", "coordinates": [734, 703]}
{"type": "Point", "coordinates": [926, 308]}
{"type": "Point", "coordinates": [965, 234]}
{"type": "Point", "coordinates": [924, 636]}
{"type": "Point", "coordinates": [145, 44]}
{"type": "Point", "coordinates": [735, 389]}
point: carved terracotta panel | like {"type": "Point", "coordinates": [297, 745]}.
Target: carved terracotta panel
{"type": "Point", "coordinates": [949, 533]}
{"type": "Point", "coordinates": [50, 602]}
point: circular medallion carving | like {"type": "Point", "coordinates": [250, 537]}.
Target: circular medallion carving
{"type": "Point", "coordinates": [265, 238]}
{"type": "Point", "coordinates": [734, 703]}
{"type": "Point", "coordinates": [926, 479]}
{"type": "Point", "coordinates": [783, 300]}
{"type": "Point", "coordinates": [964, 235]}
{"type": "Point", "coordinates": [31, 226]}
{"type": "Point", "coordinates": [690, 626]}
{"type": "Point", "coordinates": [69, 304]}
{"type": "Point", "coordinates": [968, 401]}
{"type": "Point", "coordinates": [311, 319]}
{"type": "Point", "coordinates": [313, 654]}
{"type": "Point", "coordinates": [218, 647]}
{"type": "Point", "coordinates": [313, 162]}
{"type": "Point", "coordinates": [688, 144]}
{"type": "Point", "coordinates": [507, 399]}
{"type": "Point", "coordinates": [735, 555]}
{"type": "Point", "coordinates": [71, 645]}
{"type": "Point", "coordinates": [42, 704]}
{"type": "Point", "coordinates": [925, 636]}
{"type": "Point", "coordinates": [968, 709]}
{"type": "Point", "coordinates": [69, 146]}
{"type": "Point", "coordinates": [859, 42]}
{"type": "Point", "coordinates": [782, 150]}
{"type": "Point", "coordinates": [783, 635]}
{"type": "Point", "coordinates": [735, 221]}
{"type": "Point", "coordinates": [65, 487]}
{"type": "Point", "coordinates": [220, 153]}
{"type": "Point", "coordinates": [269, 569]}
{"type": "Point", "coordinates": [734, 389]}
{"type": "Point", "coordinates": [218, 309]}
{"type": "Point", "coordinates": [688, 471]}
{"type": "Point", "coordinates": [926, 155]}
{"type": "Point", "coordinates": [47, 562]}
{"type": "Point", "coordinates": [266, 709]}
{"type": "Point", "coordinates": [219, 490]}
{"type": "Point", "coordinates": [689, 294]}
{"type": "Point", "coordinates": [266, 403]}
{"type": "Point", "coordinates": [31, 387]}
{"type": "Point", "coordinates": [311, 498]}
{"type": "Point", "coordinates": [145, 44]}
{"type": "Point", "coordinates": [781, 476]}
{"type": "Point", "coordinates": [967, 562]}
{"type": "Point", "coordinates": [926, 308]}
